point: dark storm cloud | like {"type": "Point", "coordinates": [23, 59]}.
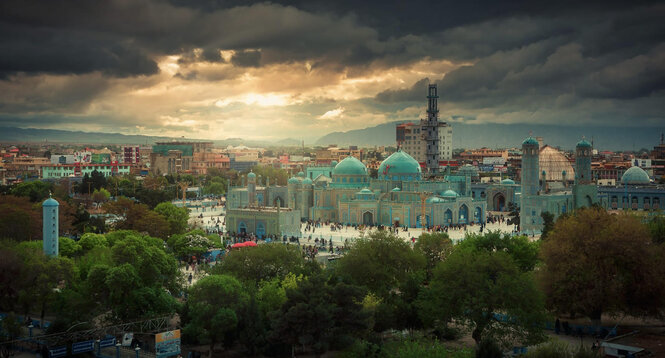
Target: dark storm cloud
{"type": "Point", "coordinates": [564, 63]}
{"type": "Point", "coordinates": [247, 58]}
{"type": "Point", "coordinates": [597, 58]}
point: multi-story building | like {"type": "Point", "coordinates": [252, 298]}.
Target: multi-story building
{"type": "Point", "coordinates": [429, 141]}
{"type": "Point", "coordinates": [25, 166]}
{"type": "Point", "coordinates": [333, 153]}
{"type": "Point", "coordinates": [658, 159]}
{"type": "Point", "coordinates": [131, 154]}
{"type": "Point", "coordinates": [176, 157]}
{"type": "Point", "coordinates": [203, 161]}
{"type": "Point", "coordinates": [482, 153]}
{"type": "Point", "coordinates": [410, 139]}
{"type": "Point", "coordinates": [57, 171]}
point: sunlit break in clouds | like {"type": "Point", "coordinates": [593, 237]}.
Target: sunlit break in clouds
{"type": "Point", "coordinates": [301, 69]}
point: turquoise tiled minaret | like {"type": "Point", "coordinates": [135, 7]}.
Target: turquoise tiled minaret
{"type": "Point", "coordinates": [50, 222]}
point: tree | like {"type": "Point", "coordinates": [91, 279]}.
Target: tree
{"type": "Point", "coordinates": [548, 224]}
{"type": "Point", "coordinates": [192, 243]}
{"type": "Point", "coordinates": [599, 263]}
{"type": "Point", "coordinates": [20, 220]}
{"type": "Point", "coordinates": [89, 241]}
{"type": "Point", "coordinates": [100, 195]}
{"type": "Point", "coordinates": [486, 292]}
{"type": "Point", "coordinates": [138, 217]}
{"type": "Point", "coordinates": [213, 307]}
{"type": "Point", "coordinates": [41, 277]}
{"type": "Point", "coordinates": [68, 247]}
{"type": "Point", "coordinates": [36, 190]}
{"type": "Point", "coordinates": [435, 247]}
{"type": "Point", "coordinates": [215, 188]}
{"type": "Point", "coordinates": [514, 215]}
{"type": "Point", "coordinates": [657, 229]}
{"type": "Point", "coordinates": [262, 263]}
{"type": "Point", "coordinates": [317, 314]}
{"type": "Point", "coordinates": [523, 251]}
{"type": "Point", "coordinates": [380, 262]}
{"type": "Point", "coordinates": [175, 216]}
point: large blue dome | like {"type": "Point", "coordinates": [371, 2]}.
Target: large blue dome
{"type": "Point", "coordinates": [400, 163]}
{"type": "Point", "coordinates": [350, 166]}
{"type": "Point", "coordinates": [635, 175]}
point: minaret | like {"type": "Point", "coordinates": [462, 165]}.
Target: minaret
{"type": "Point", "coordinates": [430, 126]}
{"type": "Point", "coordinates": [50, 226]}
{"type": "Point", "coordinates": [251, 189]}
{"type": "Point", "coordinates": [583, 162]}
{"type": "Point", "coordinates": [530, 166]}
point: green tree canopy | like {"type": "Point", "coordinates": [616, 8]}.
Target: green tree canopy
{"type": "Point", "coordinates": [194, 242]}
{"type": "Point", "coordinates": [262, 263]}
{"type": "Point", "coordinates": [599, 263]}
{"type": "Point", "coordinates": [435, 247]}
{"type": "Point", "coordinates": [317, 314]}
{"type": "Point", "coordinates": [20, 219]}
{"type": "Point", "coordinates": [36, 191]}
{"type": "Point", "coordinates": [472, 287]}
{"type": "Point", "coordinates": [213, 307]}
{"type": "Point", "coordinates": [380, 262]}
{"type": "Point", "coordinates": [176, 217]}
{"type": "Point", "coordinates": [520, 248]}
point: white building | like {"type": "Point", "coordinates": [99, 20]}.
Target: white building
{"type": "Point", "coordinates": [410, 137]}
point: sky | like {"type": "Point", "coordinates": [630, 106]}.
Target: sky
{"type": "Point", "coordinates": [216, 69]}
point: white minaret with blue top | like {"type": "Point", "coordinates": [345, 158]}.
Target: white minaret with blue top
{"type": "Point", "coordinates": [50, 220]}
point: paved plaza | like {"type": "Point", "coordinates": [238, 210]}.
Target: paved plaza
{"type": "Point", "coordinates": [210, 217]}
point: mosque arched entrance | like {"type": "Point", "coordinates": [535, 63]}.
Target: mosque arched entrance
{"type": "Point", "coordinates": [477, 215]}
{"type": "Point", "coordinates": [277, 201]}
{"type": "Point", "coordinates": [368, 218]}
{"type": "Point", "coordinates": [499, 202]}
{"type": "Point", "coordinates": [242, 228]}
{"type": "Point", "coordinates": [463, 214]}
{"type": "Point", "coordinates": [260, 230]}
{"type": "Point", "coordinates": [448, 217]}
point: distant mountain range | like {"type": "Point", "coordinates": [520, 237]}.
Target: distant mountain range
{"type": "Point", "coordinates": [511, 135]}
{"type": "Point", "coordinates": [464, 136]}
{"type": "Point", "coordinates": [34, 135]}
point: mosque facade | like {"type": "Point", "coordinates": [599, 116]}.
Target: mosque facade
{"type": "Point", "coordinates": [400, 196]}
{"type": "Point", "coordinates": [539, 195]}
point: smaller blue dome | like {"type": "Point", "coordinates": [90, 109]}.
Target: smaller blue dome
{"type": "Point", "coordinates": [50, 202]}
{"type": "Point", "coordinates": [583, 144]}
{"type": "Point", "coordinates": [333, 163]}
{"type": "Point", "coordinates": [396, 189]}
{"type": "Point", "coordinates": [449, 194]}
{"type": "Point", "coordinates": [350, 166]}
{"type": "Point", "coordinates": [307, 181]}
{"type": "Point", "coordinates": [530, 141]}
{"type": "Point", "coordinates": [635, 175]}
{"type": "Point", "coordinates": [507, 182]}
{"type": "Point", "coordinates": [300, 175]}
{"type": "Point", "coordinates": [251, 175]}
{"type": "Point", "coordinates": [294, 180]}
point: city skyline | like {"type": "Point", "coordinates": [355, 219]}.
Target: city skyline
{"type": "Point", "coordinates": [304, 69]}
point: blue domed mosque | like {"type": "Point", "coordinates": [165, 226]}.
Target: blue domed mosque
{"type": "Point", "coordinates": [399, 196]}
